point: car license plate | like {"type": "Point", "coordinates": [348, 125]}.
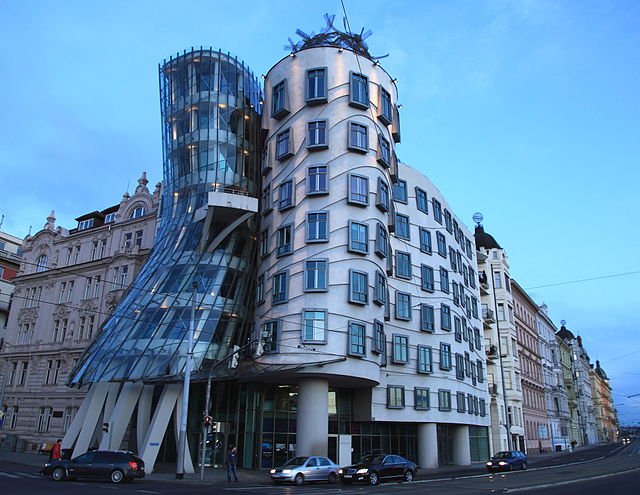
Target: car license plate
{"type": "Point", "coordinates": [346, 476]}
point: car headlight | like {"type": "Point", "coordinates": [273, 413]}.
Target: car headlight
{"type": "Point", "coordinates": [272, 471]}
{"type": "Point", "coordinates": [489, 463]}
{"type": "Point", "coordinates": [362, 471]}
{"type": "Point", "coordinates": [502, 463]}
{"type": "Point", "coordinates": [339, 471]}
{"type": "Point", "coordinates": [286, 471]}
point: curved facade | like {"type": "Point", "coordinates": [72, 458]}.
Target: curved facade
{"type": "Point", "coordinates": [210, 106]}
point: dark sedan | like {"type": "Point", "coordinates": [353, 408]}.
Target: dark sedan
{"type": "Point", "coordinates": [375, 468]}
{"type": "Point", "coordinates": [507, 461]}
{"type": "Point", "coordinates": [116, 466]}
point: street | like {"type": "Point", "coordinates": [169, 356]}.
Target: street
{"type": "Point", "coordinates": [613, 469]}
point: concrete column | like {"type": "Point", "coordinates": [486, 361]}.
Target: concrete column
{"type": "Point", "coordinates": [312, 435]}
{"type": "Point", "coordinates": [461, 448]}
{"type": "Point", "coordinates": [428, 445]}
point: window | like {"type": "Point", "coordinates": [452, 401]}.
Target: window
{"type": "Point", "coordinates": [25, 372]}
{"type": "Point", "coordinates": [139, 237]}
{"type": "Point", "coordinates": [358, 237]}
{"type": "Point", "coordinates": [280, 288]}
{"type": "Point", "coordinates": [86, 224]}
{"type": "Point", "coordinates": [138, 212]}
{"type": "Point", "coordinates": [110, 218]}
{"type": "Point", "coordinates": [425, 241]}
{"type": "Point", "coordinates": [442, 244]}
{"type": "Point", "coordinates": [260, 289]}
{"type": "Point", "coordinates": [445, 356]}
{"type": "Point", "coordinates": [266, 200]}
{"type": "Point", "coordinates": [444, 400]}
{"type": "Point", "coordinates": [358, 287]}
{"type": "Point", "coordinates": [316, 86]}
{"type": "Point", "coordinates": [460, 399]}
{"type": "Point", "coordinates": [497, 280]}
{"type": "Point", "coordinates": [452, 258]}
{"type": "Point", "coordinates": [124, 270]}
{"type": "Point", "coordinates": [501, 313]}
{"type": "Point", "coordinates": [103, 248]}
{"type": "Point", "coordinates": [400, 191]}
{"type": "Point", "coordinates": [402, 226]}
{"type": "Point", "coordinates": [279, 99]}
{"type": "Point", "coordinates": [285, 240]}
{"type": "Point", "coordinates": [382, 241]}
{"type": "Point", "coordinates": [437, 210]}
{"type": "Point", "coordinates": [385, 107]}
{"type": "Point", "coordinates": [359, 91]}
{"type": "Point", "coordinates": [315, 275]}
{"type": "Point", "coordinates": [444, 280]}
{"type": "Point", "coordinates": [358, 190]}
{"type": "Point", "coordinates": [69, 415]}
{"type": "Point", "coordinates": [283, 145]}
{"type": "Point", "coordinates": [427, 318]}
{"type": "Point", "coordinates": [474, 307]}
{"type": "Point", "coordinates": [427, 282]}
{"type": "Point", "coordinates": [400, 349]}
{"type": "Point", "coordinates": [314, 325]}
{"type": "Point", "coordinates": [380, 293]}
{"type": "Point", "coordinates": [403, 306]}
{"type": "Point", "coordinates": [59, 330]}
{"type": "Point", "coordinates": [447, 222]}
{"type": "Point", "coordinates": [269, 336]}
{"type": "Point", "coordinates": [317, 228]}
{"type": "Point", "coordinates": [44, 418]}
{"type": "Point", "coordinates": [379, 340]}
{"type": "Point", "coordinates": [358, 137]}
{"type": "Point", "coordinates": [421, 200]}
{"type": "Point", "coordinates": [425, 359]}
{"type": "Point", "coordinates": [483, 407]}
{"type": "Point", "coordinates": [403, 265]}
{"type": "Point", "coordinates": [128, 240]}
{"type": "Point", "coordinates": [382, 200]}
{"type": "Point", "coordinates": [94, 250]}
{"type": "Point", "coordinates": [479, 371]}
{"type": "Point", "coordinates": [445, 317]}
{"type": "Point", "coordinates": [356, 338]}
{"type": "Point", "coordinates": [472, 277]}
{"type": "Point", "coordinates": [421, 399]}
{"type": "Point", "coordinates": [317, 180]}
{"type": "Point", "coordinates": [395, 397]}
{"type": "Point", "coordinates": [457, 326]}
{"type": "Point", "coordinates": [286, 196]}
{"type": "Point", "coordinates": [384, 151]}
{"type": "Point", "coordinates": [317, 137]}
{"type": "Point", "coordinates": [459, 366]}
{"type": "Point", "coordinates": [476, 334]}
{"type": "Point", "coordinates": [96, 286]}
{"type": "Point", "coordinates": [41, 263]}
{"type": "Point", "coordinates": [264, 243]}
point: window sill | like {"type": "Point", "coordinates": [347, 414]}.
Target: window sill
{"type": "Point", "coordinates": [284, 156]}
{"type": "Point", "coordinates": [358, 149]}
{"type": "Point", "coordinates": [386, 120]}
{"type": "Point", "coordinates": [316, 101]}
{"type": "Point", "coordinates": [316, 147]}
{"type": "Point", "coordinates": [357, 104]}
{"type": "Point", "coordinates": [280, 113]}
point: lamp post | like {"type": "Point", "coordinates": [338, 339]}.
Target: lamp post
{"type": "Point", "coordinates": [182, 439]}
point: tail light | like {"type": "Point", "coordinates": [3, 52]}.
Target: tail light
{"type": "Point", "coordinates": [134, 465]}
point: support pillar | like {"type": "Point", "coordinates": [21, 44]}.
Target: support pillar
{"type": "Point", "coordinates": [461, 447]}
{"type": "Point", "coordinates": [428, 445]}
{"type": "Point", "coordinates": [312, 435]}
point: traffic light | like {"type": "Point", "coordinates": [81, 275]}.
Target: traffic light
{"type": "Point", "coordinates": [233, 362]}
{"type": "Point", "coordinates": [106, 427]}
{"type": "Point", "coordinates": [207, 421]}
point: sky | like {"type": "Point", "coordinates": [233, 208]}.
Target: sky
{"type": "Point", "coordinates": [527, 111]}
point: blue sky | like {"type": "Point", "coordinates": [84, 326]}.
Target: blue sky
{"type": "Point", "coordinates": [528, 111]}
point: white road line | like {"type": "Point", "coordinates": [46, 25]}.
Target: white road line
{"type": "Point", "coordinates": [569, 482]}
{"type": "Point", "coordinates": [146, 491]}
{"type": "Point", "coordinates": [31, 475]}
{"type": "Point", "coordinates": [9, 475]}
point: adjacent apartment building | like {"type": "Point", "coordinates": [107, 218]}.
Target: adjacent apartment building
{"type": "Point", "coordinates": [67, 284]}
{"type": "Point", "coordinates": [606, 416]}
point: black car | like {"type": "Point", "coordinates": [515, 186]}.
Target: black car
{"type": "Point", "coordinates": [375, 468]}
{"type": "Point", "coordinates": [117, 466]}
{"type": "Point", "coordinates": [507, 461]}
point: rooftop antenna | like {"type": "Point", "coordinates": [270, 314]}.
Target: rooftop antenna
{"type": "Point", "coordinates": [1, 221]}
{"type": "Point", "coordinates": [128, 183]}
{"type": "Point", "coordinates": [30, 227]}
{"type": "Point", "coordinates": [477, 217]}
{"type": "Point", "coordinates": [563, 322]}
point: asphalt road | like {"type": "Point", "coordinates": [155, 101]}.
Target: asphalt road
{"type": "Point", "coordinates": [608, 470]}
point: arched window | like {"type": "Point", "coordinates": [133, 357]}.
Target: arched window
{"type": "Point", "coordinates": [138, 212]}
{"type": "Point", "coordinates": [41, 264]}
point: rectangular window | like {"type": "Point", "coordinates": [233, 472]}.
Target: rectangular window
{"type": "Point", "coordinates": [421, 200]}
{"type": "Point", "coordinates": [316, 86]}
{"type": "Point", "coordinates": [402, 226]}
{"type": "Point", "coordinates": [425, 241]}
{"type": "Point", "coordinates": [445, 356]}
{"type": "Point", "coordinates": [403, 265]}
{"type": "Point", "coordinates": [382, 200]}
{"type": "Point", "coordinates": [400, 353]}
{"type": "Point", "coordinates": [445, 317]}
{"type": "Point", "coordinates": [444, 400]}
{"type": "Point", "coordinates": [425, 359]}
{"type": "Point", "coordinates": [359, 91]}
{"type": "Point", "coordinates": [284, 148]}
{"type": "Point", "coordinates": [497, 280]}
{"type": "Point", "coordinates": [400, 191]}
{"type": "Point", "coordinates": [382, 241]}
{"type": "Point", "coordinates": [285, 240]}
{"type": "Point", "coordinates": [379, 340]}
{"type": "Point", "coordinates": [442, 244]}
{"type": "Point", "coordinates": [479, 371]}
{"type": "Point", "coordinates": [456, 293]}
{"type": "Point", "coordinates": [395, 397]}
{"type": "Point", "coordinates": [286, 195]}
{"type": "Point", "coordinates": [139, 238]}
{"type": "Point", "coordinates": [317, 226]}
{"type": "Point", "coordinates": [403, 306]}
{"type": "Point", "coordinates": [25, 372]}
{"type": "Point", "coordinates": [279, 100]}
{"type": "Point", "coordinates": [358, 190]}
{"type": "Point", "coordinates": [359, 287]}
{"type": "Point", "coordinates": [356, 338]}
{"type": "Point", "coordinates": [87, 288]}
{"type": "Point", "coordinates": [103, 245]}
{"type": "Point", "coordinates": [358, 137]}
{"type": "Point", "coordinates": [358, 237]}
{"type": "Point", "coordinates": [380, 293]}
{"type": "Point", "coordinates": [96, 286]}
{"type": "Point", "coordinates": [444, 280]}
{"type": "Point", "coordinates": [317, 137]}
{"type": "Point", "coordinates": [315, 275]}
{"type": "Point", "coordinates": [452, 258]}
{"type": "Point", "coordinates": [264, 243]}
{"type": "Point", "coordinates": [459, 366]}
{"type": "Point", "coordinates": [472, 278]}
{"type": "Point", "coordinates": [427, 318]}
{"type": "Point", "coordinates": [318, 182]}
{"type": "Point", "coordinates": [280, 288]}
{"type": "Point", "coordinates": [427, 282]}
{"type": "Point", "coordinates": [269, 336]}
{"type": "Point", "coordinates": [266, 200]}
{"type": "Point", "coordinates": [447, 221]}
{"type": "Point", "coordinates": [437, 210]}
{"type": "Point", "coordinates": [457, 328]}
{"type": "Point", "coordinates": [94, 250]}
{"type": "Point", "coordinates": [476, 334]}
{"type": "Point", "coordinates": [124, 271]}
{"type": "Point", "coordinates": [314, 325]}
{"type": "Point", "coordinates": [460, 398]}
{"type": "Point", "coordinates": [421, 399]}
{"type": "Point", "coordinates": [260, 289]}
{"type": "Point", "coordinates": [384, 151]}
{"type": "Point", "coordinates": [385, 109]}
{"type": "Point", "coordinates": [483, 407]}
{"type": "Point", "coordinates": [474, 307]}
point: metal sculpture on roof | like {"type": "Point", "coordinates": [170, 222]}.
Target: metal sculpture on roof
{"type": "Point", "coordinates": [331, 36]}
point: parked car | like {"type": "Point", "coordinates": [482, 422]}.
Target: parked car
{"type": "Point", "coordinates": [507, 461]}
{"type": "Point", "coordinates": [626, 440]}
{"type": "Point", "coordinates": [301, 469]}
{"type": "Point", "coordinates": [375, 468]}
{"type": "Point", "coordinates": [118, 466]}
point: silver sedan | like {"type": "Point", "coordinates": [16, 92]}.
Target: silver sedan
{"type": "Point", "coordinates": [301, 469]}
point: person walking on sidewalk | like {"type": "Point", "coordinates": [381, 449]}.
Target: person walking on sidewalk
{"type": "Point", "coordinates": [232, 460]}
{"type": "Point", "coordinates": [56, 450]}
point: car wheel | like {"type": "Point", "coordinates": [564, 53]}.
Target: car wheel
{"type": "Point", "coordinates": [299, 479]}
{"type": "Point", "coordinates": [373, 478]}
{"type": "Point", "coordinates": [117, 476]}
{"type": "Point", "coordinates": [408, 476]}
{"type": "Point", "coordinates": [524, 466]}
{"type": "Point", "coordinates": [58, 474]}
{"type": "Point", "coordinates": [332, 477]}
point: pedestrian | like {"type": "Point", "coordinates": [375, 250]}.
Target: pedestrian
{"type": "Point", "coordinates": [232, 460]}
{"type": "Point", "coordinates": [56, 450]}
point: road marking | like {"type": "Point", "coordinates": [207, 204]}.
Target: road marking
{"type": "Point", "coordinates": [30, 475]}
{"type": "Point", "coordinates": [9, 475]}
{"type": "Point", "coordinates": [570, 482]}
{"type": "Point", "coordinates": [146, 491]}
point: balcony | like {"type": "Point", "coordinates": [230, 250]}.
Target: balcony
{"type": "Point", "coordinates": [487, 316]}
{"type": "Point", "coordinates": [493, 389]}
{"type": "Point", "coordinates": [491, 351]}
{"type": "Point", "coordinates": [484, 284]}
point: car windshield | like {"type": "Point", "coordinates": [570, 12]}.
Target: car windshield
{"type": "Point", "coordinates": [503, 455]}
{"type": "Point", "coordinates": [296, 461]}
{"type": "Point", "coordinates": [371, 459]}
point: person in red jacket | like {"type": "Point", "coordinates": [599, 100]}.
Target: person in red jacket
{"type": "Point", "coordinates": [56, 451]}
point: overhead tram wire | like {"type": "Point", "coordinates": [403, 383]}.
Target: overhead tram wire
{"type": "Point", "coordinates": [585, 280]}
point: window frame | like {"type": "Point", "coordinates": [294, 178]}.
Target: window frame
{"type": "Point", "coordinates": [283, 110]}
{"type": "Point", "coordinates": [316, 99]}
{"type": "Point", "coordinates": [426, 395]}
{"type": "Point", "coordinates": [308, 237]}
{"type": "Point", "coordinates": [284, 185]}
{"type": "Point", "coordinates": [287, 153]}
{"type": "Point", "coordinates": [445, 351]}
{"type": "Point", "coordinates": [444, 405]}
{"type": "Point", "coordinates": [352, 287]}
{"type": "Point", "coordinates": [400, 192]}
{"type": "Point", "coordinates": [363, 105]}
{"type": "Point", "coordinates": [285, 298]}
{"type": "Point", "coordinates": [319, 145]}
{"type": "Point", "coordinates": [382, 206]}
{"type": "Point", "coordinates": [384, 145]}
{"type": "Point", "coordinates": [385, 97]}
{"type": "Point", "coordinates": [350, 246]}
{"type": "Point", "coordinates": [391, 405]}
{"type": "Point", "coordinates": [306, 271]}
{"type": "Point", "coordinates": [380, 290]}
{"type": "Point", "coordinates": [350, 348]}
{"type": "Point", "coordinates": [445, 322]}
{"type": "Point", "coordinates": [426, 247]}
{"type": "Point", "coordinates": [351, 193]}
{"type": "Point", "coordinates": [397, 306]}
{"type": "Point", "coordinates": [424, 366]}
{"type": "Point", "coordinates": [427, 310]}
{"type": "Point", "coordinates": [317, 178]}
{"type": "Point", "coordinates": [357, 129]}
{"type": "Point", "coordinates": [402, 341]}
{"type": "Point", "coordinates": [422, 206]}
{"type": "Point", "coordinates": [291, 228]}
{"type": "Point", "coordinates": [403, 258]}
{"type": "Point", "coordinates": [303, 337]}
{"type": "Point", "coordinates": [400, 235]}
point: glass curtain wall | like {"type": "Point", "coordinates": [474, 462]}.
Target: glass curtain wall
{"type": "Point", "coordinates": [211, 105]}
